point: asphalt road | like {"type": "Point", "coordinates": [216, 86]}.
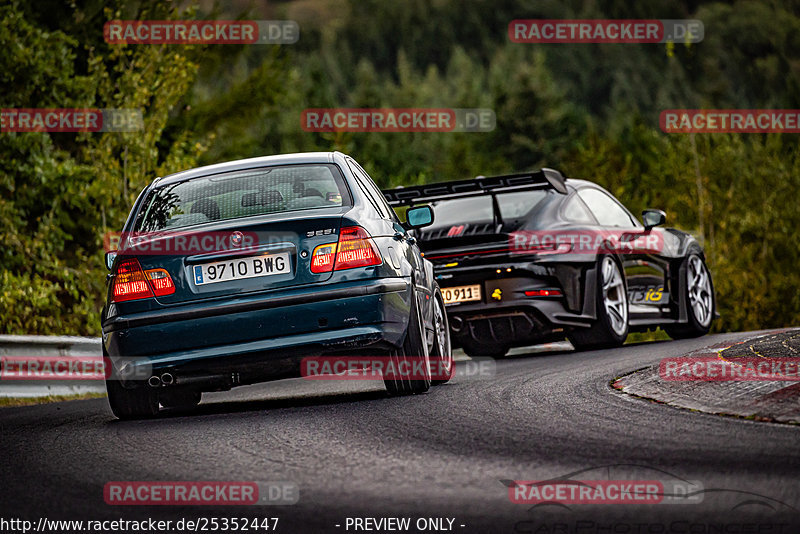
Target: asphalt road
{"type": "Point", "coordinates": [354, 452]}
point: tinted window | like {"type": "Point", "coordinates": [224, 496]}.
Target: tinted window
{"type": "Point", "coordinates": [375, 197]}
{"type": "Point", "coordinates": [242, 194]}
{"type": "Point", "coordinates": [379, 194]}
{"type": "Point", "coordinates": [512, 206]}
{"type": "Point", "coordinates": [606, 210]}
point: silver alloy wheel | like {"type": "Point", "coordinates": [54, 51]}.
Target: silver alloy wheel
{"type": "Point", "coordinates": [700, 297]}
{"type": "Point", "coordinates": [443, 340]}
{"type": "Point", "coordinates": [615, 299]}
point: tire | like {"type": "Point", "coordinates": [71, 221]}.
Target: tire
{"type": "Point", "coordinates": [180, 399]}
{"type": "Point", "coordinates": [475, 349]}
{"type": "Point", "coordinates": [413, 351]}
{"type": "Point", "coordinates": [700, 301]}
{"type": "Point", "coordinates": [138, 402]}
{"type": "Point", "coordinates": [611, 327]}
{"type": "Point", "coordinates": [442, 351]}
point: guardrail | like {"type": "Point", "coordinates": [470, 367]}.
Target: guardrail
{"type": "Point", "coordinates": [38, 366]}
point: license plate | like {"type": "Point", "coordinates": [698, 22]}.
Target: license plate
{"type": "Point", "coordinates": [453, 295]}
{"type": "Point", "coordinates": [239, 269]}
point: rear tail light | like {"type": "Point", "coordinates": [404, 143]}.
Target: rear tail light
{"type": "Point", "coordinates": [543, 293]}
{"type": "Point", "coordinates": [161, 282]}
{"type": "Point", "coordinates": [132, 283]}
{"type": "Point", "coordinates": [354, 249]}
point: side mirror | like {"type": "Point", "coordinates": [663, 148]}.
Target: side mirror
{"type": "Point", "coordinates": [652, 218]}
{"type": "Point", "coordinates": [110, 257]}
{"type": "Point", "coordinates": [419, 217]}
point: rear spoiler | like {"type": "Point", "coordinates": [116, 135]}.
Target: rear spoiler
{"type": "Point", "coordinates": [482, 185]}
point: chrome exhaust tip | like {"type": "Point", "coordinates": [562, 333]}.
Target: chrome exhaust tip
{"type": "Point", "coordinates": [456, 324]}
{"type": "Point", "coordinates": [167, 379]}
{"type": "Point", "coordinates": [154, 381]}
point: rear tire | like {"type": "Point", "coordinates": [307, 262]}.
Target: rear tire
{"type": "Point", "coordinates": [442, 352]}
{"type": "Point", "coordinates": [700, 302]}
{"type": "Point", "coordinates": [138, 402]}
{"type": "Point", "coordinates": [611, 327]}
{"type": "Point", "coordinates": [412, 354]}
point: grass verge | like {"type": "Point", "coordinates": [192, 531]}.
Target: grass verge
{"type": "Point", "coordinates": [29, 401]}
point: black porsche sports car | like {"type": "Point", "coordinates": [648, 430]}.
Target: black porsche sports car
{"type": "Point", "coordinates": [535, 257]}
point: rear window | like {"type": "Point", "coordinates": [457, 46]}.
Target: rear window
{"type": "Point", "coordinates": [239, 194]}
{"type": "Point", "coordinates": [479, 209]}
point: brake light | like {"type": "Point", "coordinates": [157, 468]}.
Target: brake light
{"type": "Point", "coordinates": [543, 293]}
{"type": "Point", "coordinates": [161, 282]}
{"type": "Point", "coordinates": [322, 258]}
{"type": "Point", "coordinates": [130, 282]}
{"type": "Point", "coordinates": [354, 249]}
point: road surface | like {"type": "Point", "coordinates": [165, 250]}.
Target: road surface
{"type": "Point", "coordinates": [355, 453]}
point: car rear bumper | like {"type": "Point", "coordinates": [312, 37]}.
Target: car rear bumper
{"type": "Point", "coordinates": [514, 323]}
{"type": "Point", "coordinates": [247, 333]}
{"type": "Point", "coordinates": [506, 315]}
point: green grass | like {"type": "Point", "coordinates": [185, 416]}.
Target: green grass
{"type": "Point", "coordinates": [29, 401]}
{"type": "Point", "coordinates": [652, 335]}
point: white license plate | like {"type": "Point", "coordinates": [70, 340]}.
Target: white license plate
{"type": "Point", "coordinates": [239, 269]}
{"type": "Point", "coordinates": [461, 294]}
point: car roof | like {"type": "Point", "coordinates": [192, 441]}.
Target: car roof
{"type": "Point", "coordinates": [250, 163]}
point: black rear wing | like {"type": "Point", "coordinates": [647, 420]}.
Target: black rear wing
{"type": "Point", "coordinates": [482, 185]}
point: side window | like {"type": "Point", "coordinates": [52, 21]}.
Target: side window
{"type": "Point", "coordinates": [391, 215]}
{"type": "Point", "coordinates": [364, 190]}
{"type": "Point", "coordinates": [576, 211]}
{"type": "Point", "coordinates": [606, 210]}
{"type": "Point", "coordinates": [370, 189]}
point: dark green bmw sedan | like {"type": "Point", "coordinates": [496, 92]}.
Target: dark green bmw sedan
{"type": "Point", "coordinates": [232, 274]}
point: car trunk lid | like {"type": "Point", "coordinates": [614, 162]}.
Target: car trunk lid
{"type": "Point", "coordinates": [239, 256]}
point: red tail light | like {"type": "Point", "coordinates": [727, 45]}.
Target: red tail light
{"type": "Point", "coordinates": [354, 249]}
{"type": "Point", "coordinates": [132, 283]}
{"type": "Point", "coordinates": [543, 293]}
{"type": "Point", "coordinates": [161, 282]}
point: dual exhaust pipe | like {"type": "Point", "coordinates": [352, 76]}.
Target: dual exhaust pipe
{"type": "Point", "coordinates": [166, 379]}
